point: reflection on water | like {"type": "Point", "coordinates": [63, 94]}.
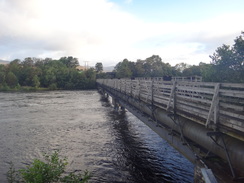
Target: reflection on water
{"type": "Point", "coordinates": [83, 126]}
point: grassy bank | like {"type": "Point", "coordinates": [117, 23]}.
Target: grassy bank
{"type": "Point", "coordinates": [23, 89]}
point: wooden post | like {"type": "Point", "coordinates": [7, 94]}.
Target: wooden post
{"type": "Point", "coordinates": [172, 96]}
{"type": "Point", "coordinates": [214, 108]}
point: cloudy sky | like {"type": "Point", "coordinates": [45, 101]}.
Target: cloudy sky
{"type": "Point", "coordinates": [108, 31]}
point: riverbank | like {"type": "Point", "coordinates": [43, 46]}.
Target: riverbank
{"type": "Point", "coordinates": [23, 89]}
{"type": "Point", "coordinates": [35, 89]}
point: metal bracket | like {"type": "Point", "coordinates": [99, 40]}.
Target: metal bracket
{"type": "Point", "coordinates": [219, 134]}
{"type": "Point", "coordinates": [175, 119]}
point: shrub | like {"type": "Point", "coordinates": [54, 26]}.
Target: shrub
{"type": "Point", "coordinates": [50, 171]}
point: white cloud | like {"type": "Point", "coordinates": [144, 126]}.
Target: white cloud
{"type": "Point", "coordinates": [98, 30]}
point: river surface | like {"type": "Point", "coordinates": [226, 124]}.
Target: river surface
{"type": "Point", "coordinates": [115, 148]}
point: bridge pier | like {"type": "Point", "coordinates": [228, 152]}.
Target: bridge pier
{"type": "Point", "coordinates": [117, 105]}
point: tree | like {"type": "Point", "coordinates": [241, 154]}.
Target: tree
{"type": "Point", "coordinates": [139, 68]}
{"type": "Point", "coordinates": [208, 72]}
{"type": "Point", "coordinates": [15, 67]}
{"type": "Point", "coordinates": [153, 66]}
{"type": "Point", "coordinates": [123, 69]}
{"type": "Point", "coordinates": [99, 67]}
{"type": "Point", "coordinates": [35, 81]}
{"type": "Point", "coordinates": [11, 79]}
{"type": "Point", "coordinates": [192, 71]}
{"type": "Point", "coordinates": [2, 77]}
{"type": "Point", "coordinates": [70, 61]}
{"type": "Point", "coordinates": [228, 61]}
{"type": "Point", "coordinates": [2, 74]}
{"type": "Point", "coordinates": [181, 67]}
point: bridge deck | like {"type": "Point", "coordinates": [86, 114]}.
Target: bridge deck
{"type": "Point", "coordinates": [215, 105]}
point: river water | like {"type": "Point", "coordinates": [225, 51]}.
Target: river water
{"type": "Point", "coordinates": [116, 148]}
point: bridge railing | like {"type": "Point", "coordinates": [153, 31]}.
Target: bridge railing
{"type": "Point", "coordinates": [211, 104]}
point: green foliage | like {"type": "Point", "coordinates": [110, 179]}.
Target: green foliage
{"type": "Point", "coordinates": [70, 62]}
{"type": "Point", "coordinates": [11, 79]}
{"type": "Point", "coordinates": [33, 73]}
{"type": "Point", "coordinates": [123, 69]}
{"type": "Point", "coordinates": [99, 67]}
{"type": "Point", "coordinates": [53, 86]}
{"type": "Point", "coordinates": [151, 67]}
{"type": "Point", "coordinates": [2, 77]}
{"type": "Point", "coordinates": [49, 171]}
{"type": "Point", "coordinates": [228, 61]}
{"type": "Point", "coordinates": [35, 81]}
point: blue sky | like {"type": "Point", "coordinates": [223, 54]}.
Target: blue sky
{"type": "Point", "coordinates": [108, 31]}
{"type": "Point", "coordinates": [179, 10]}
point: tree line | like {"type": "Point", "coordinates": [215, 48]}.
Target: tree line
{"type": "Point", "coordinates": [227, 65]}
{"type": "Point", "coordinates": [46, 73]}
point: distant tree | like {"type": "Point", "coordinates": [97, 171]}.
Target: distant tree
{"type": "Point", "coordinates": [2, 74]}
{"type": "Point", "coordinates": [123, 69]}
{"type": "Point", "coordinates": [15, 67]}
{"type": "Point", "coordinates": [35, 81]}
{"type": "Point", "coordinates": [70, 61]}
{"type": "Point", "coordinates": [139, 68]}
{"type": "Point", "coordinates": [181, 67]}
{"type": "Point", "coordinates": [229, 61]}
{"type": "Point", "coordinates": [90, 74]}
{"type": "Point", "coordinates": [29, 61]}
{"type": "Point", "coordinates": [2, 77]}
{"type": "Point", "coordinates": [192, 71]}
{"type": "Point", "coordinates": [153, 66]}
{"type": "Point", "coordinates": [99, 67]}
{"type": "Point", "coordinates": [90, 78]}
{"type": "Point", "coordinates": [11, 79]}
{"type": "Point", "coordinates": [208, 72]}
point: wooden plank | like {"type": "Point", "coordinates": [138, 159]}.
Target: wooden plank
{"type": "Point", "coordinates": [188, 107]}
{"type": "Point", "coordinates": [161, 102]}
{"type": "Point", "coordinates": [214, 103]}
{"type": "Point", "coordinates": [232, 93]}
{"type": "Point", "coordinates": [192, 112]}
{"type": "Point", "coordinates": [199, 90]}
{"type": "Point", "coordinates": [237, 108]}
{"type": "Point", "coordinates": [188, 94]}
{"type": "Point", "coordinates": [233, 85]}
{"type": "Point", "coordinates": [193, 99]}
{"type": "Point", "coordinates": [161, 97]}
{"type": "Point", "coordinates": [163, 94]}
{"type": "Point", "coordinates": [200, 84]}
{"type": "Point", "coordinates": [232, 114]}
{"type": "Point", "coordinates": [163, 87]}
{"type": "Point", "coordinates": [231, 123]}
{"type": "Point", "coordinates": [194, 105]}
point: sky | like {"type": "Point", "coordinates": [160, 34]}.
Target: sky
{"type": "Point", "coordinates": [109, 31]}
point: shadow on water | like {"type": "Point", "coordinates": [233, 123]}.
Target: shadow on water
{"type": "Point", "coordinates": [137, 158]}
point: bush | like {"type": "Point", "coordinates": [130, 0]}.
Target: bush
{"type": "Point", "coordinates": [50, 171]}
{"type": "Point", "coordinates": [53, 86]}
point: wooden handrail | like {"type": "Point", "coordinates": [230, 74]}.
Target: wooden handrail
{"type": "Point", "coordinates": [211, 104]}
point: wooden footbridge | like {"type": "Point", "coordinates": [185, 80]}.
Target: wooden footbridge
{"type": "Point", "coordinates": [199, 119]}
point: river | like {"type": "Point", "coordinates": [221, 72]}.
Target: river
{"type": "Point", "coordinates": [115, 148]}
